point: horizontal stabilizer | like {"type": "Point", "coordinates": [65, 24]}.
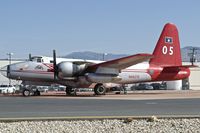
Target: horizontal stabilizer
{"type": "Point", "coordinates": [189, 66]}
{"type": "Point", "coordinates": [177, 68]}
{"type": "Point", "coordinates": [182, 66]}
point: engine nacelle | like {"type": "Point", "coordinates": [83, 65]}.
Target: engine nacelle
{"type": "Point", "coordinates": [69, 69]}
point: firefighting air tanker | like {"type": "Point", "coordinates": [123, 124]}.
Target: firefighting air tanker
{"type": "Point", "coordinates": [164, 64]}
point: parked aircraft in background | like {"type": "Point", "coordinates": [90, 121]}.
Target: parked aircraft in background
{"type": "Point", "coordinates": [163, 65]}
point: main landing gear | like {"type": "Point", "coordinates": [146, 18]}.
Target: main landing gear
{"type": "Point", "coordinates": [99, 89]}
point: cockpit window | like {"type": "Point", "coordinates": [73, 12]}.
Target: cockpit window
{"type": "Point", "coordinates": [39, 60]}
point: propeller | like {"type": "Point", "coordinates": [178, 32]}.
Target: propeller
{"type": "Point", "coordinates": [55, 65]}
{"type": "Point", "coordinates": [8, 70]}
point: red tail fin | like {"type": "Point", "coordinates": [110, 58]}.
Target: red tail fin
{"type": "Point", "coordinates": [167, 51]}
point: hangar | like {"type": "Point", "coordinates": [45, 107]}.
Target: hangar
{"type": "Point", "coordinates": [194, 79]}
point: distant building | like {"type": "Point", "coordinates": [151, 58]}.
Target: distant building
{"type": "Point", "coordinates": [5, 80]}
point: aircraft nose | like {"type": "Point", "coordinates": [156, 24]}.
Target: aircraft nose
{"type": "Point", "coordinates": [4, 70]}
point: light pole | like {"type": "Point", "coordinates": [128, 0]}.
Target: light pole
{"type": "Point", "coordinates": [104, 54]}
{"type": "Point", "coordinates": [9, 58]}
{"type": "Point", "coordinates": [192, 55]}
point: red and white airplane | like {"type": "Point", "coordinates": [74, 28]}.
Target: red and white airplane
{"type": "Point", "coordinates": [163, 65]}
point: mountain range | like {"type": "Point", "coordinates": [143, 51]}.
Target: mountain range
{"type": "Point", "coordinates": [94, 56]}
{"type": "Point", "coordinates": [185, 53]}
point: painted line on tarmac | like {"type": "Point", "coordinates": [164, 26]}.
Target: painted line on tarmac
{"type": "Point", "coordinates": [151, 103]}
{"type": "Point", "coordinates": [114, 98]}
{"type": "Point", "coordinates": [97, 118]}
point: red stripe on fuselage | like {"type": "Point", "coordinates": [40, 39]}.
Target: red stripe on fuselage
{"type": "Point", "coordinates": [50, 66]}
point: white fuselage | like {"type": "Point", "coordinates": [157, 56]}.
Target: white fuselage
{"type": "Point", "coordinates": [135, 73]}
{"type": "Point", "coordinates": [40, 72]}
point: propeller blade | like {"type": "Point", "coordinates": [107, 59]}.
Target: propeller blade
{"type": "Point", "coordinates": [55, 65]}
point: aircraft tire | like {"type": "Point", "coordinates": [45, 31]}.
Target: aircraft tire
{"type": "Point", "coordinates": [26, 92]}
{"type": "Point", "coordinates": [99, 89]}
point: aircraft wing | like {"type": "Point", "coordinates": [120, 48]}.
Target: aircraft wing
{"type": "Point", "coordinates": [121, 63]}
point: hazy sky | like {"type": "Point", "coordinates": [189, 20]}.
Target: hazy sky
{"type": "Point", "coordinates": [111, 26]}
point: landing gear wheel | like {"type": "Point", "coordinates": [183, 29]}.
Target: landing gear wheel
{"type": "Point", "coordinates": [99, 89]}
{"type": "Point", "coordinates": [26, 92]}
{"type": "Point", "coordinates": [70, 91]}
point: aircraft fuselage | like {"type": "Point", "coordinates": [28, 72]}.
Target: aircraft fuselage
{"type": "Point", "coordinates": [142, 72]}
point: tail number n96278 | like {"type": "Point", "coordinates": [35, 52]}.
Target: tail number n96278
{"type": "Point", "coordinates": [166, 50]}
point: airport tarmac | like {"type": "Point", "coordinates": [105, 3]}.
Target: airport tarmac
{"type": "Point", "coordinates": [108, 105]}
{"type": "Point", "coordinates": [131, 95]}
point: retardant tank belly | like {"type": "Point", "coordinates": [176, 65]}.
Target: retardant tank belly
{"type": "Point", "coordinates": [133, 77]}
{"type": "Point", "coordinates": [102, 78]}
